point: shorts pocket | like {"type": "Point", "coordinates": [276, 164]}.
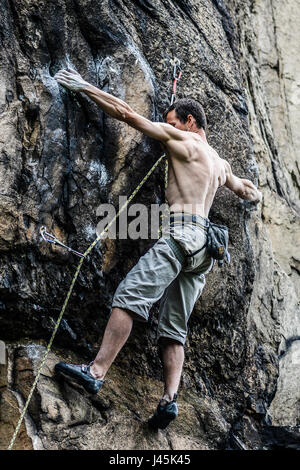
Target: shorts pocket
{"type": "Point", "coordinates": [191, 238]}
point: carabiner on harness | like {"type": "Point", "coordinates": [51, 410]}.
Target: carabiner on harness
{"type": "Point", "coordinates": [48, 237]}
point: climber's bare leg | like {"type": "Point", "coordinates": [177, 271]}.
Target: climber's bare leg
{"type": "Point", "coordinates": [115, 336]}
{"type": "Point", "coordinates": [172, 358]}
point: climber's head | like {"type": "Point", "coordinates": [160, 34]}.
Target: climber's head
{"type": "Point", "coordinates": [186, 114]}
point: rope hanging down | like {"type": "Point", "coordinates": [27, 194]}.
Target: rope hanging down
{"type": "Point", "coordinates": [53, 239]}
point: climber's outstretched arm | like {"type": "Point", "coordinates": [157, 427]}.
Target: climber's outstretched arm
{"type": "Point", "coordinates": [243, 188]}
{"type": "Point", "coordinates": [117, 108]}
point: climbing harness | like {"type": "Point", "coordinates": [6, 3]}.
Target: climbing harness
{"type": "Point", "coordinates": [216, 240]}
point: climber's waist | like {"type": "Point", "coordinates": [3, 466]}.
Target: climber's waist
{"type": "Point", "coordinates": [184, 218]}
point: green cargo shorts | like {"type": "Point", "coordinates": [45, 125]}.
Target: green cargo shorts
{"type": "Point", "coordinates": [160, 275]}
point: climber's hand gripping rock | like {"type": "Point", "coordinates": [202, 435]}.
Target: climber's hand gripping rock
{"type": "Point", "coordinates": [71, 79]}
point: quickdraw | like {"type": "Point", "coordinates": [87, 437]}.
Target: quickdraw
{"type": "Point", "coordinates": [176, 77]}
{"type": "Point", "coordinates": [48, 237]}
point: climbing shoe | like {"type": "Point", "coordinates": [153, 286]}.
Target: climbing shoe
{"type": "Point", "coordinates": [80, 374]}
{"type": "Point", "coordinates": [164, 414]}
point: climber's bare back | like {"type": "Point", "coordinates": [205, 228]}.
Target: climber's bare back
{"type": "Point", "coordinates": [195, 173]}
{"type": "Point", "coordinates": [195, 169]}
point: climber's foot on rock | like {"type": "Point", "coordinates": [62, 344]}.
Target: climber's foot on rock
{"type": "Point", "coordinates": [164, 414]}
{"type": "Point", "coordinates": [80, 374]}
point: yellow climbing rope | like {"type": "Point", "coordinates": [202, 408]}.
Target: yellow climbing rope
{"type": "Point", "coordinates": [69, 294]}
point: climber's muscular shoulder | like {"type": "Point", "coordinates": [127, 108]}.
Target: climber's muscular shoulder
{"type": "Point", "coordinates": [168, 135]}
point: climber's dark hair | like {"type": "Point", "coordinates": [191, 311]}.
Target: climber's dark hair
{"type": "Point", "coordinates": [186, 106]}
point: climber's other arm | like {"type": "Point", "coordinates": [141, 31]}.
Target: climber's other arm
{"type": "Point", "coordinates": [243, 188]}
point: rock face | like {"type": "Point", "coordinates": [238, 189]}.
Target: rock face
{"type": "Point", "coordinates": [61, 157]}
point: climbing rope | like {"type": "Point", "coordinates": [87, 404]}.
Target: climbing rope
{"type": "Point", "coordinates": [52, 239]}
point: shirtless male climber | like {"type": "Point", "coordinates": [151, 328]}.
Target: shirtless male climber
{"type": "Point", "coordinates": [195, 173]}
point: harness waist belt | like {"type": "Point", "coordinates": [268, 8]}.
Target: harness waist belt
{"type": "Point", "coordinates": [196, 219]}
